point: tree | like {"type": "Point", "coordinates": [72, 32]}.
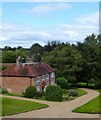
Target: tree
{"type": "Point", "coordinates": [36, 49]}
{"type": "Point", "coordinates": [8, 57]}
{"type": "Point", "coordinates": [51, 45]}
{"type": "Point", "coordinates": [90, 51]}
{"type": "Point", "coordinates": [66, 60]}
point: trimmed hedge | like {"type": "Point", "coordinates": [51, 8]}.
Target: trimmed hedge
{"type": "Point", "coordinates": [30, 92]}
{"type": "Point", "coordinates": [62, 82]}
{"type": "Point", "coordinates": [53, 93]}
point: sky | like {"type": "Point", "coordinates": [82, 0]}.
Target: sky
{"type": "Point", "coordinates": [26, 23]}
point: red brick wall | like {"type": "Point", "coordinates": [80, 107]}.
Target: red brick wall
{"type": "Point", "coordinates": [15, 84]}
{"type": "Point", "coordinates": [19, 84]}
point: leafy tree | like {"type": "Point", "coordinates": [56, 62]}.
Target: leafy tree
{"type": "Point", "coordinates": [51, 45]}
{"type": "Point", "coordinates": [65, 59]}
{"type": "Point", "coordinates": [90, 51]}
{"type": "Point", "coordinates": [8, 57]}
{"type": "Point", "coordinates": [36, 49]}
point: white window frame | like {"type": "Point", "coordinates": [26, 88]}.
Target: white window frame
{"type": "Point", "coordinates": [43, 77]}
{"type": "Point", "coordinates": [38, 79]}
{"type": "Point", "coordinates": [52, 75]}
{"type": "Point", "coordinates": [47, 76]}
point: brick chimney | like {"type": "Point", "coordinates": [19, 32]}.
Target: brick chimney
{"type": "Point", "coordinates": [18, 61]}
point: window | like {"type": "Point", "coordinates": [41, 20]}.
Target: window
{"type": "Point", "coordinates": [42, 77]}
{"type": "Point", "coordinates": [53, 74]}
{"type": "Point", "coordinates": [47, 76]}
{"type": "Point", "coordinates": [38, 79]}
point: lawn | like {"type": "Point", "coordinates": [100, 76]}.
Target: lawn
{"type": "Point", "coordinates": [80, 92]}
{"type": "Point", "coordinates": [90, 107]}
{"type": "Point", "coordinates": [14, 106]}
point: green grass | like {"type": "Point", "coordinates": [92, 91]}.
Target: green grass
{"type": "Point", "coordinates": [14, 106]}
{"type": "Point", "coordinates": [81, 92]}
{"type": "Point", "coordinates": [13, 94]}
{"type": "Point", "coordinates": [92, 106]}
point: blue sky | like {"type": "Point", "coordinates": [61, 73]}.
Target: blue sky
{"type": "Point", "coordinates": [25, 23]}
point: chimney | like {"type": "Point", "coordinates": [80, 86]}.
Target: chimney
{"type": "Point", "coordinates": [18, 61]}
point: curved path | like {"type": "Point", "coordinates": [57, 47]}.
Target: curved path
{"type": "Point", "coordinates": [59, 109]}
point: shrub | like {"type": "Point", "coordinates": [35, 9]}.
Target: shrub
{"type": "Point", "coordinates": [3, 90]}
{"type": "Point", "coordinates": [64, 91]}
{"type": "Point", "coordinates": [38, 94]}
{"type": "Point", "coordinates": [62, 82]}
{"type": "Point", "coordinates": [98, 84]}
{"type": "Point", "coordinates": [53, 93]}
{"type": "Point", "coordinates": [43, 93]}
{"type": "Point", "coordinates": [30, 92]}
{"type": "Point", "coordinates": [73, 92]}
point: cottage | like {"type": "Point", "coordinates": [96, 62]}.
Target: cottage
{"type": "Point", "coordinates": [17, 77]}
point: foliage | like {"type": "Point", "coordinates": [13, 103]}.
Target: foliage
{"type": "Point", "coordinates": [38, 94]}
{"type": "Point", "coordinates": [3, 90]}
{"type": "Point", "coordinates": [73, 92]}
{"type": "Point", "coordinates": [2, 68]}
{"type": "Point", "coordinates": [98, 84]}
{"type": "Point", "coordinates": [36, 48]}
{"type": "Point", "coordinates": [64, 91]}
{"type": "Point", "coordinates": [62, 82]}
{"type": "Point", "coordinates": [30, 92]}
{"type": "Point", "coordinates": [53, 93]}
{"type": "Point", "coordinates": [66, 60]}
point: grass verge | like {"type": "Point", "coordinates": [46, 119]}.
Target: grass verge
{"type": "Point", "coordinates": [14, 106]}
{"type": "Point", "coordinates": [92, 107]}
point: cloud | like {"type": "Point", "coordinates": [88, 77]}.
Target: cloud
{"type": "Point", "coordinates": [47, 8]}
{"type": "Point", "coordinates": [25, 35]}
{"type": "Point", "coordinates": [92, 19]}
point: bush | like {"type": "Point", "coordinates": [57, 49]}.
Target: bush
{"type": "Point", "coordinates": [43, 93]}
{"type": "Point", "coordinates": [64, 91]}
{"type": "Point", "coordinates": [38, 94]}
{"type": "Point", "coordinates": [98, 84]}
{"type": "Point", "coordinates": [30, 92]}
{"type": "Point", "coordinates": [3, 90]}
{"type": "Point", "coordinates": [62, 82]}
{"type": "Point", "coordinates": [73, 92]}
{"type": "Point", "coordinates": [53, 93]}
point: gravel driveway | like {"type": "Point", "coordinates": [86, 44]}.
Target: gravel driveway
{"type": "Point", "coordinates": [59, 109]}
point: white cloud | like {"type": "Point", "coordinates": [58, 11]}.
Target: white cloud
{"type": "Point", "coordinates": [89, 19]}
{"type": "Point", "coordinates": [25, 35]}
{"type": "Point", "coordinates": [46, 8]}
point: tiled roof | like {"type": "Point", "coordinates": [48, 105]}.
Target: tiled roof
{"type": "Point", "coordinates": [30, 70]}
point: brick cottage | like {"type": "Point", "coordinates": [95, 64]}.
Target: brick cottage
{"type": "Point", "coordinates": [17, 77]}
